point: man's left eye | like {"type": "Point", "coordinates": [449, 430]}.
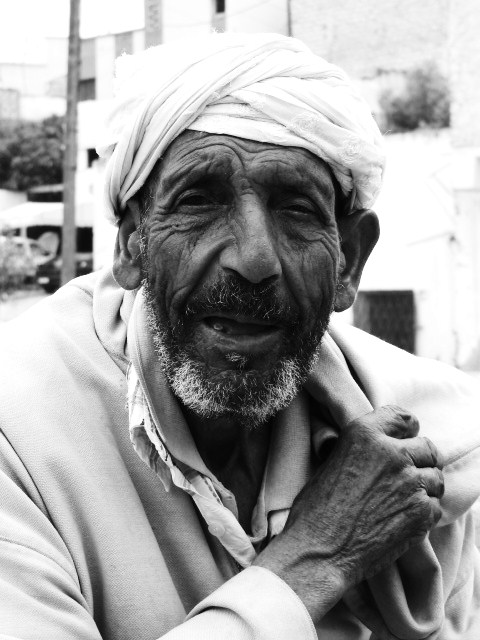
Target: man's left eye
{"type": "Point", "coordinates": [297, 206]}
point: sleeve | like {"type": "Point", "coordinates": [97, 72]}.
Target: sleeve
{"type": "Point", "coordinates": [254, 604]}
{"type": "Point", "coordinates": [41, 596]}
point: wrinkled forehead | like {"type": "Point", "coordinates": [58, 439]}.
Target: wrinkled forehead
{"type": "Point", "coordinates": [196, 155]}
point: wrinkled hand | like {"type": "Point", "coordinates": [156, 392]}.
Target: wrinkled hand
{"type": "Point", "coordinates": [377, 494]}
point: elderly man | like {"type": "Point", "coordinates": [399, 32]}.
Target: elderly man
{"type": "Point", "coordinates": [275, 488]}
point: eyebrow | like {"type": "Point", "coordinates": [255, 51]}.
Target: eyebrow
{"type": "Point", "coordinates": [304, 177]}
{"type": "Point", "coordinates": [193, 168]}
{"type": "Point", "coordinates": [197, 167]}
{"type": "Point", "coordinates": [315, 184]}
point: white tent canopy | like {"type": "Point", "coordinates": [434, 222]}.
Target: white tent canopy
{"type": "Point", "coordinates": [33, 214]}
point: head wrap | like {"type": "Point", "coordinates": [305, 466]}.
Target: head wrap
{"type": "Point", "coordinates": [263, 87]}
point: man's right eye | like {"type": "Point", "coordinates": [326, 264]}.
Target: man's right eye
{"type": "Point", "coordinates": [195, 199]}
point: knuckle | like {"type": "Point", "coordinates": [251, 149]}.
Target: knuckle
{"type": "Point", "coordinates": [436, 512]}
{"type": "Point", "coordinates": [360, 431]}
{"type": "Point", "coordinates": [394, 409]}
{"type": "Point", "coordinates": [432, 449]}
{"type": "Point", "coordinates": [404, 420]}
{"type": "Point", "coordinates": [441, 482]}
{"type": "Point", "coordinates": [425, 508]}
{"type": "Point", "coordinates": [404, 452]}
{"type": "Point", "coordinates": [409, 478]}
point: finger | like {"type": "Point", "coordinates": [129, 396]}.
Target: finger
{"type": "Point", "coordinates": [436, 509]}
{"type": "Point", "coordinates": [393, 421]}
{"type": "Point", "coordinates": [423, 453]}
{"type": "Point", "coordinates": [431, 480]}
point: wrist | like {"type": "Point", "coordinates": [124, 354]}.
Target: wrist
{"type": "Point", "coordinates": [318, 582]}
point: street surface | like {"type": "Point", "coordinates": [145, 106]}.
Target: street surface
{"type": "Point", "coordinates": [19, 301]}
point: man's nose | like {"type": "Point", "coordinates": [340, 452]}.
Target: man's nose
{"type": "Point", "coordinates": [253, 251]}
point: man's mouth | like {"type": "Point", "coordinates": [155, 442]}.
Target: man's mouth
{"type": "Point", "coordinates": [239, 326]}
{"type": "Point", "coordinates": [242, 335]}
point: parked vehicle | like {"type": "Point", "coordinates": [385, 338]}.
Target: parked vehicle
{"type": "Point", "coordinates": [22, 258]}
{"type": "Point", "coordinates": [34, 250]}
{"type": "Point", "coordinates": [49, 274]}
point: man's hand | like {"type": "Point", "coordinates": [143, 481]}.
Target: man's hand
{"type": "Point", "coordinates": [377, 494]}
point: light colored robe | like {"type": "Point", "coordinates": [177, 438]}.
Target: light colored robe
{"type": "Point", "coordinates": [91, 545]}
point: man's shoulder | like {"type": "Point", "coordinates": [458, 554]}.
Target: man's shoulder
{"type": "Point", "coordinates": [56, 375]}
{"type": "Point", "coordinates": [446, 400]}
{"type": "Point", "coordinates": [389, 367]}
{"type": "Point", "coordinates": [42, 326]}
{"type": "Point", "coordinates": [61, 308]}
{"type": "Point", "coordinates": [78, 315]}
{"type": "Point", "coordinates": [55, 341]}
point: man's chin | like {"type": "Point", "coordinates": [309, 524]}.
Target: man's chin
{"type": "Point", "coordinates": [247, 369]}
{"type": "Point", "coordinates": [251, 396]}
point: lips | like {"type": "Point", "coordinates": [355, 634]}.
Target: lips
{"type": "Point", "coordinates": [220, 335]}
{"type": "Point", "coordinates": [239, 327]}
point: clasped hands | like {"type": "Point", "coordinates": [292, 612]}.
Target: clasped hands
{"type": "Point", "coordinates": [376, 495]}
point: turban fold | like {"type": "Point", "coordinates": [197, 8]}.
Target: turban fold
{"type": "Point", "coordinates": [263, 87]}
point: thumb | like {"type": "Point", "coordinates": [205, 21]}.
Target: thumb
{"type": "Point", "coordinates": [391, 420]}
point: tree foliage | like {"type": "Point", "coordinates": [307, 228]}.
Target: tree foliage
{"type": "Point", "coordinates": [15, 265]}
{"type": "Point", "coordinates": [31, 154]}
{"type": "Point", "coordinates": [424, 102]}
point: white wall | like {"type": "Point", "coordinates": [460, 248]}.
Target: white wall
{"type": "Point", "coordinates": [9, 198]}
{"type": "Point", "coordinates": [415, 250]}
{"type": "Point", "coordinates": [104, 66]}
{"type": "Point", "coordinates": [256, 17]}
{"type": "Point", "coordinates": [465, 71]}
{"type": "Point", "coordinates": [29, 79]}
{"type": "Point", "coordinates": [186, 19]}
{"type": "Point", "coordinates": [369, 38]}
{"type": "Point", "coordinates": [466, 305]}
{"type": "Point", "coordinates": [104, 232]}
{"type": "Point", "coordinates": [40, 107]}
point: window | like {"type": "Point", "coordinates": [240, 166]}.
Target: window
{"type": "Point", "coordinates": [9, 104]}
{"type": "Point", "coordinates": [123, 43]}
{"type": "Point", "coordinates": [87, 58]}
{"type": "Point", "coordinates": [389, 315]}
{"type": "Point", "coordinates": [92, 155]}
{"type": "Point", "coordinates": [219, 6]}
{"type": "Point", "coordinates": [86, 89]}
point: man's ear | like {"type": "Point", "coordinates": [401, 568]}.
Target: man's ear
{"type": "Point", "coordinates": [127, 260]}
{"type": "Point", "coordinates": [359, 233]}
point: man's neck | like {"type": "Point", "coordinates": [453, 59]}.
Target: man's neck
{"type": "Point", "coordinates": [236, 454]}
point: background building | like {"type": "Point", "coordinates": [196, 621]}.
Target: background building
{"type": "Point", "coordinates": [421, 287]}
{"type": "Point", "coordinates": [32, 78]}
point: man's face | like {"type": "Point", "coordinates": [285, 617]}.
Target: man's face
{"type": "Point", "coordinates": [240, 252]}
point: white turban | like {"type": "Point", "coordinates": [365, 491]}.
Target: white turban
{"type": "Point", "coordinates": [263, 87]}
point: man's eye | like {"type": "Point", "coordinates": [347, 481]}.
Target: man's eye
{"type": "Point", "coordinates": [297, 206]}
{"type": "Point", "coordinates": [195, 199]}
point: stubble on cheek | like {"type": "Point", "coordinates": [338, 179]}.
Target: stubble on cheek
{"type": "Point", "coordinates": [166, 260]}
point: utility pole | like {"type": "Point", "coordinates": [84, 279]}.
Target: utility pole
{"type": "Point", "coordinates": [153, 22]}
{"type": "Point", "coordinates": [69, 233]}
{"type": "Point", "coordinates": [289, 18]}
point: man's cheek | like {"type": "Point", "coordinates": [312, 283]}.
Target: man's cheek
{"type": "Point", "coordinates": [312, 281]}
{"type": "Point", "coordinates": [174, 281]}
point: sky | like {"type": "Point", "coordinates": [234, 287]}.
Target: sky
{"type": "Point", "coordinates": [24, 22]}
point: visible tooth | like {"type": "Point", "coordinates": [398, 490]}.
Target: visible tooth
{"type": "Point", "coordinates": [217, 326]}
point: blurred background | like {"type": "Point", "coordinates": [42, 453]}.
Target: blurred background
{"type": "Point", "coordinates": [416, 62]}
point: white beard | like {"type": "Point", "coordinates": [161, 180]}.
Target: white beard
{"type": "Point", "coordinates": [253, 401]}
